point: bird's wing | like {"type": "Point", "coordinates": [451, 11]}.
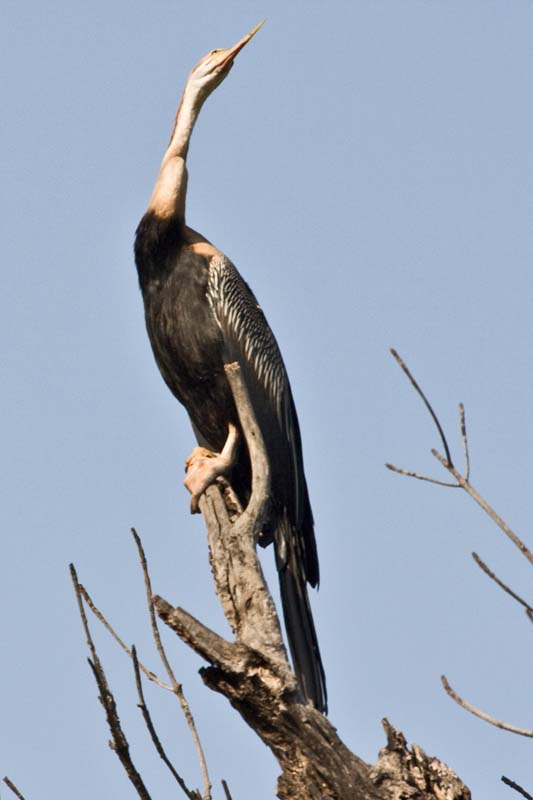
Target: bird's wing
{"type": "Point", "coordinates": [249, 340]}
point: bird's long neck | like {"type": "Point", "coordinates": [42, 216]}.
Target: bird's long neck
{"type": "Point", "coordinates": [168, 196]}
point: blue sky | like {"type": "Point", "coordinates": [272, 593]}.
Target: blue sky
{"type": "Point", "coordinates": [367, 165]}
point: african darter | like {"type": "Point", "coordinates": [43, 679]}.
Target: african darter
{"type": "Point", "coordinates": [200, 314]}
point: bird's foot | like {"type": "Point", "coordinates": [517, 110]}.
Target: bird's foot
{"type": "Point", "coordinates": [203, 467]}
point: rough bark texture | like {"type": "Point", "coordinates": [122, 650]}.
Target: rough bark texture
{"type": "Point", "coordinates": [401, 773]}
{"type": "Point", "coordinates": [254, 674]}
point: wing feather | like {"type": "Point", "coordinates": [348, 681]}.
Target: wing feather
{"type": "Point", "coordinates": [249, 340]}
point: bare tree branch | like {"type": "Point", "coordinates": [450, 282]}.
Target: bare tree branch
{"type": "Point", "coordinates": [463, 482]}
{"type": "Point", "coordinates": [417, 388]}
{"type": "Point", "coordinates": [153, 621]}
{"type": "Point", "coordinates": [99, 616]}
{"type": "Point", "coordinates": [481, 714]}
{"type": "Point", "coordinates": [119, 742]}
{"type": "Point", "coordinates": [421, 477]}
{"type": "Point", "coordinates": [467, 486]}
{"type": "Point", "coordinates": [481, 564]}
{"type": "Point", "coordinates": [177, 688]}
{"type": "Point", "coordinates": [446, 461]}
{"type": "Point", "coordinates": [13, 788]}
{"type": "Point", "coordinates": [254, 442]}
{"type": "Point", "coordinates": [517, 788]}
{"type": "Point", "coordinates": [191, 794]}
{"type": "Point", "coordinates": [208, 644]}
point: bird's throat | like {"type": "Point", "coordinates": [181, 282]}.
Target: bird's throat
{"type": "Point", "coordinates": [186, 116]}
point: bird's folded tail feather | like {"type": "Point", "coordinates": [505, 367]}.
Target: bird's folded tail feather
{"type": "Point", "coordinates": [299, 624]}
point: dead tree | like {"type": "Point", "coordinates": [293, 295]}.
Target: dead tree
{"type": "Point", "coordinates": [252, 669]}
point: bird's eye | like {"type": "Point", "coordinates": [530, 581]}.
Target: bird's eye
{"type": "Point", "coordinates": [212, 53]}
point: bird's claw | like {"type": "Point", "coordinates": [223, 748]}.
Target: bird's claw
{"type": "Point", "coordinates": [203, 467]}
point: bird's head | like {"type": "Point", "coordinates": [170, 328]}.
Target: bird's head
{"type": "Point", "coordinates": [211, 70]}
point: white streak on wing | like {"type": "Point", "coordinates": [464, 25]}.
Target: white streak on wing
{"type": "Point", "coordinates": [239, 317]}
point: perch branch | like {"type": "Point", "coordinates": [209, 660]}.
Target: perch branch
{"type": "Point", "coordinates": [481, 714]}
{"type": "Point", "coordinates": [237, 573]}
{"type": "Point", "coordinates": [254, 441]}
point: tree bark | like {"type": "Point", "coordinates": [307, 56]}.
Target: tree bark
{"type": "Point", "coordinates": [253, 671]}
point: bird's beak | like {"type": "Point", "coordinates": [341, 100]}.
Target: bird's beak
{"type": "Point", "coordinates": [233, 51]}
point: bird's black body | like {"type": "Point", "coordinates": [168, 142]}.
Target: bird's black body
{"type": "Point", "coordinates": [200, 314]}
{"type": "Point", "coordinates": [185, 338]}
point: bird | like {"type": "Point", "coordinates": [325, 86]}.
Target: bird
{"type": "Point", "coordinates": [200, 315]}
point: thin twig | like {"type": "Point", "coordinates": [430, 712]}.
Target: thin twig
{"type": "Point", "coordinates": [485, 506]}
{"type": "Point", "coordinates": [226, 790]}
{"type": "Point", "coordinates": [420, 477]}
{"type": "Point", "coordinates": [13, 788]}
{"type": "Point", "coordinates": [462, 480]}
{"type": "Point", "coordinates": [464, 437]}
{"type": "Point", "coordinates": [77, 589]}
{"type": "Point", "coordinates": [99, 616]}
{"type": "Point", "coordinates": [417, 388]}
{"type": "Point", "coordinates": [481, 714]}
{"type": "Point", "coordinates": [191, 794]}
{"type": "Point", "coordinates": [153, 621]}
{"type": "Point", "coordinates": [119, 742]}
{"type": "Point", "coordinates": [481, 564]}
{"type": "Point", "coordinates": [517, 788]}
{"type": "Point", "coordinates": [176, 687]}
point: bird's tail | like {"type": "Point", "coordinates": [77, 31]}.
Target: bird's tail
{"type": "Point", "coordinates": [301, 633]}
